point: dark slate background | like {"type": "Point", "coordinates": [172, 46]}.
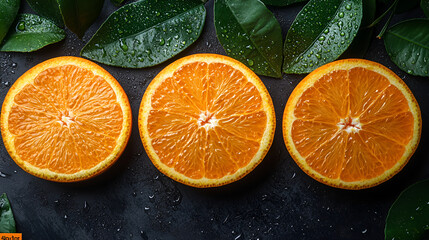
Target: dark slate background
{"type": "Point", "coordinates": [133, 200]}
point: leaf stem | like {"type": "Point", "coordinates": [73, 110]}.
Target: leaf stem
{"type": "Point", "coordinates": [393, 6]}
{"type": "Point", "coordinates": [383, 30]}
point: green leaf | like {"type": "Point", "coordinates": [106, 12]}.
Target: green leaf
{"type": "Point", "coordinates": [250, 33]}
{"type": "Point", "coordinates": [146, 33]}
{"type": "Point", "coordinates": [7, 222]}
{"type": "Point", "coordinates": [424, 4]}
{"type": "Point", "coordinates": [408, 218]}
{"type": "Point", "coordinates": [363, 38]}
{"type": "Point", "coordinates": [48, 9]}
{"type": "Point", "coordinates": [407, 44]}
{"type": "Point", "coordinates": [117, 2]}
{"type": "Point", "coordinates": [8, 11]}
{"type": "Point", "coordinates": [31, 33]}
{"type": "Point", "coordinates": [321, 32]}
{"type": "Point", "coordinates": [78, 15]}
{"type": "Point", "coordinates": [281, 2]}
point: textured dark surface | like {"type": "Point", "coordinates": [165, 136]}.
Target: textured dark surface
{"type": "Point", "coordinates": [133, 200]}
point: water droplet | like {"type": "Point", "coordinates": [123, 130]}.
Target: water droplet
{"type": "Point", "coordinates": [321, 38]}
{"type": "Point", "coordinates": [21, 26]}
{"type": "Point", "coordinates": [364, 231]}
{"type": "Point", "coordinates": [123, 45]}
{"type": "Point", "coordinates": [250, 61]}
{"type": "Point", "coordinates": [349, 7]}
{"type": "Point", "coordinates": [161, 42]}
{"type": "Point", "coordinates": [410, 71]}
{"type": "Point", "coordinates": [412, 217]}
{"type": "Point", "coordinates": [342, 34]}
{"type": "Point", "coordinates": [326, 30]}
{"type": "Point", "coordinates": [65, 216]}
{"type": "Point", "coordinates": [341, 14]}
{"type": "Point", "coordinates": [2, 175]}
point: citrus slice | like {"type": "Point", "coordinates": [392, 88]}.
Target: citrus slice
{"type": "Point", "coordinates": [351, 124]}
{"type": "Point", "coordinates": [206, 120]}
{"type": "Point", "coordinates": [65, 120]}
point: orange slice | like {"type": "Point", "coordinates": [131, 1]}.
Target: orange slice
{"type": "Point", "coordinates": [65, 120]}
{"type": "Point", "coordinates": [206, 120]}
{"type": "Point", "coordinates": [351, 124]}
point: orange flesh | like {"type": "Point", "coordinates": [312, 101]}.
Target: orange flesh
{"type": "Point", "coordinates": [206, 121]}
{"type": "Point", "coordinates": [352, 125]}
{"type": "Point", "coordinates": [67, 120]}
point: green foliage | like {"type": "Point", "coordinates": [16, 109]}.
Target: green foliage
{"type": "Point", "coordinates": [250, 33]}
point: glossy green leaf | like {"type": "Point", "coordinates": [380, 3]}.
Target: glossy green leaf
{"type": "Point", "coordinates": [7, 222]}
{"type": "Point", "coordinates": [78, 15]}
{"type": "Point", "coordinates": [361, 42]}
{"type": "Point", "coordinates": [321, 32]}
{"type": "Point", "coordinates": [8, 11]}
{"type": "Point", "coordinates": [424, 4]}
{"type": "Point", "coordinates": [250, 33]}
{"type": "Point", "coordinates": [117, 2]}
{"type": "Point", "coordinates": [146, 33]}
{"type": "Point", "coordinates": [408, 218]}
{"type": "Point", "coordinates": [48, 9]}
{"type": "Point", "coordinates": [30, 33]}
{"type": "Point", "coordinates": [407, 44]}
{"type": "Point", "coordinates": [281, 2]}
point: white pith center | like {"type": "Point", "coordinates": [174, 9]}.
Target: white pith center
{"type": "Point", "coordinates": [207, 120]}
{"type": "Point", "coordinates": [350, 124]}
{"type": "Point", "coordinates": [66, 118]}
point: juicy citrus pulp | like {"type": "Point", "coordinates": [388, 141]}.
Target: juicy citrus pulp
{"type": "Point", "coordinates": [351, 124]}
{"type": "Point", "coordinates": [206, 120]}
{"type": "Point", "coordinates": [66, 119]}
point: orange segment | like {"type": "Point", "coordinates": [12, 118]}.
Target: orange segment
{"type": "Point", "coordinates": [359, 163]}
{"type": "Point", "coordinates": [351, 124]}
{"type": "Point", "coordinates": [240, 150]}
{"type": "Point", "coordinates": [309, 135]}
{"type": "Point", "coordinates": [328, 159]}
{"type": "Point", "coordinates": [382, 148]}
{"type": "Point", "coordinates": [206, 120]}
{"type": "Point", "coordinates": [65, 119]}
{"type": "Point", "coordinates": [313, 106]}
{"type": "Point", "coordinates": [170, 99]}
{"type": "Point", "coordinates": [334, 90]}
{"type": "Point", "coordinates": [390, 102]}
{"type": "Point", "coordinates": [365, 88]}
{"type": "Point", "coordinates": [402, 123]}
